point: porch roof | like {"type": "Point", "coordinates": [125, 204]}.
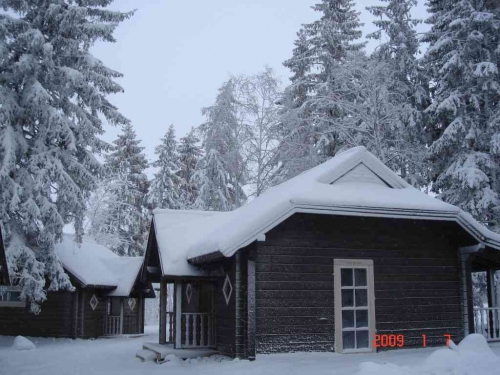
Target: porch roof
{"type": "Point", "coordinates": [354, 182]}
{"type": "Point", "coordinates": [93, 264]}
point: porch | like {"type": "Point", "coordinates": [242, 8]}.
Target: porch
{"type": "Point", "coordinates": [483, 290]}
{"type": "Point", "coordinates": [187, 318]}
{"type": "Point", "coordinates": [123, 317]}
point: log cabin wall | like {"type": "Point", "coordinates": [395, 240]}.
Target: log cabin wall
{"type": "Point", "coordinates": [416, 273]}
{"type": "Point", "coordinates": [225, 318]}
{"type": "Point", "coordinates": [132, 323]}
{"type": "Point", "coordinates": [231, 318]}
{"type": "Point", "coordinates": [55, 320]}
{"type": "Point", "coordinates": [93, 320]}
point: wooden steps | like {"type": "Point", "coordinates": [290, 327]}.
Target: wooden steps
{"type": "Point", "coordinates": [156, 352]}
{"type": "Point", "coordinates": [146, 355]}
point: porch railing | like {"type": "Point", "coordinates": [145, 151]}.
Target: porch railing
{"type": "Point", "coordinates": [198, 330]}
{"type": "Point", "coordinates": [112, 325]}
{"type": "Point", "coordinates": [170, 327]}
{"type": "Point", "coordinates": [487, 322]}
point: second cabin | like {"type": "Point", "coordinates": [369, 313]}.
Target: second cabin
{"type": "Point", "coordinates": [323, 262]}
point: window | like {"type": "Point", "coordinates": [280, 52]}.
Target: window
{"type": "Point", "coordinates": [10, 296]}
{"type": "Point", "coordinates": [354, 305]}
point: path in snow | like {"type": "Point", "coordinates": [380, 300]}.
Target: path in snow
{"type": "Point", "coordinates": [117, 356]}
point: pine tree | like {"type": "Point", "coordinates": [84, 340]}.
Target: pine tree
{"type": "Point", "coordinates": [189, 154]}
{"type": "Point", "coordinates": [218, 177]}
{"type": "Point", "coordinates": [128, 216]}
{"type": "Point", "coordinates": [323, 46]}
{"type": "Point", "coordinates": [53, 96]}
{"type": "Point", "coordinates": [165, 187]}
{"type": "Point", "coordinates": [399, 47]}
{"type": "Point", "coordinates": [463, 60]}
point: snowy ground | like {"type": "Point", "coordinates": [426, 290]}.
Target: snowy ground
{"type": "Point", "coordinates": [116, 356]}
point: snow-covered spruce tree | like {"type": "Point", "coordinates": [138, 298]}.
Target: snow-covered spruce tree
{"type": "Point", "coordinates": [189, 153]}
{"type": "Point", "coordinates": [368, 98]}
{"type": "Point", "coordinates": [52, 94]}
{"type": "Point", "coordinates": [218, 177]}
{"type": "Point", "coordinates": [128, 215]}
{"type": "Point", "coordinates": [463, 60]}
{"type": "Point", "coordinates": [399, 47]}
{"type": "Point", "coordinates": [307, 135]}
{"type": "Point", "coordinates": [165, 186]}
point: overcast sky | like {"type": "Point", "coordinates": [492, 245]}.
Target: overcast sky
{"type": "Point", "coordinates": [174, 54]}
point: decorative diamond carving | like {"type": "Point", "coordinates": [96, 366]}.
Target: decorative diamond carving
{"type": "Point", "coordinates": [131, 303]}
{"type": "Point", "coordinates": [189, 292]}
{"type": "Point", "coordinates": [94, 302]}
{"type": "Point", "coordinates": [227, 289]}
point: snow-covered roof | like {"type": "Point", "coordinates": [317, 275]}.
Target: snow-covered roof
{"type": "Point", "coordinates": [94, 264]}
{"type": "Point", "coordinates": [353, 182]}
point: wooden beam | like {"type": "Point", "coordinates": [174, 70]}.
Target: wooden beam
{"type": "Point", "coordinates": [251, 325]}
{"type": "Point", "coordinates": [490, 290]}
{"type": "Point", "coordinates": [163, 312]}
{"type": "Point", "coordinates": [239, 318]}
{"type": "Point", "coordinates": [76, 297]}
{"type": "Point", "coordinates": [178, 315]}
{"type": "Point", "coordinates": [122, 316]}
{"type": "Point", "coordinates": [470, 303]}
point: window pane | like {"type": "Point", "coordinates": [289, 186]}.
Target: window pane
{"type": "Point", "coordinates": [346, 277]}
{"type": "Point", "coordinates": [362, 339]}
{"type": "Point", "coordinates": [15, 296]}
{"type": "Point", "coordinates": [360, 276]}
{"type": "Point", "coordinates": [348, 319]}
{"type": "Point", "coordinates": [348, 340]}
{"type": "Point", "coordinates": [347, 297]}
{"type": "Point", "coordinates": [361, 297]}
{"type": "Point", "coordinates": [361, 318]}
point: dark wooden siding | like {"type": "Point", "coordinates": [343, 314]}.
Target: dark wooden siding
{"type": "Point", "coordinates": [231, 318]}
{"type": "Point", "coordinates": [55, 320]}
{"type": "Point", "coordinates": [94, 319]}
{"type": "Point", "coordinates": [132, 323]}
{"type": "Point", "coordinates": [416, 271]}
{"type": "Point", "coordinates": [225, 313]}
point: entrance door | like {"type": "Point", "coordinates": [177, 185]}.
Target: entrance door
{"type": "Point", "coordinates": [354, 305]}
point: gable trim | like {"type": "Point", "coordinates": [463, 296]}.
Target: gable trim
{"type": "Point", "coordinates": [380, 180]}
{"type": "Point", "coordinates": [372, 163]}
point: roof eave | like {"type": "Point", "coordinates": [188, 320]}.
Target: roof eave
{"type": "Point", "coordinates": [351, 211]}
{"type": "Point", "coordinates": [206, 258]}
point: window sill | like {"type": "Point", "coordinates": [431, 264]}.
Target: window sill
{"type": "Point", "coordinates": [12, 304]}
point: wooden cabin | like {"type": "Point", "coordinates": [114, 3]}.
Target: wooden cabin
{"type": "Point", "coordinates": [108, 298]}
{"type": "Point", "coordinates": [345, 257]}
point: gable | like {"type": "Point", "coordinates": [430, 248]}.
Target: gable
{"type": "Point", "coordinates": [360, 173]}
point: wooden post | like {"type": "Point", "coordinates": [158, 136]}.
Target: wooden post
{"type": "Point", "coordinates": [83, 314]}
{"type": "Point", "coordinates": [470, 303]}
{"type": "Point", "coordinates": [77, 296]}
{"type": "Point", "coordinates": [251, 325]}
{"type": "Point", "coordinates": [163, 312]}
{"type": "Point", "coordinates": [122, 315]}
{"type": "Point", "coordinates": [490, 290]}
{"type": "Point", "coordinates": [178, 314]}
{"type": "Point", "coordinates": [239, 344]}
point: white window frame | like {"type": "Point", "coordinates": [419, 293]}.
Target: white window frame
{"type": "Point", "coordinates": [367, 264]}
{"type": "Point", "coordinates": [20, 303]}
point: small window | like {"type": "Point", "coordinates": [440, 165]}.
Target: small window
{"type": "Point", "coordinates": [11, 297]}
